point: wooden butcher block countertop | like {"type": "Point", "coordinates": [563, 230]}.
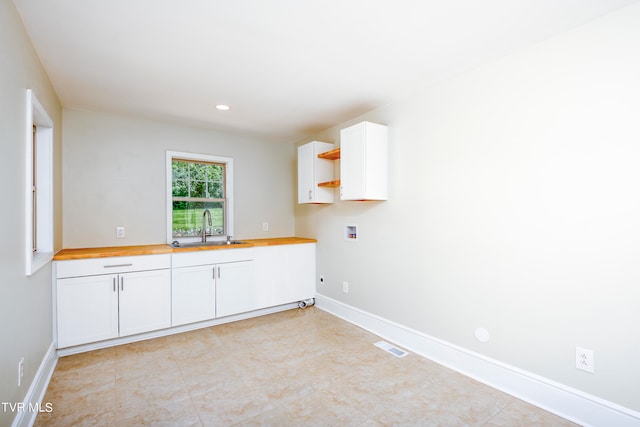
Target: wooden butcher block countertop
{"type": "Point", "coordinates": [111, 251]}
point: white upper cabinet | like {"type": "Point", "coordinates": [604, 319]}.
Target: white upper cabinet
{"type": "Point", "coordinates": [313, 171]}
{"type": "Point", "coordinates": [363, 162]}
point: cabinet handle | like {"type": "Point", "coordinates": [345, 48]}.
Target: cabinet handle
{"type": "Point", "coordinates": [213, 275]}
{"type": "Point", "coordinates": [122, 283]}
{"type": "Point", "coordinates": [118, 265]}
{"type": "Point", "coordinates": [214, 272]}
{"type": "Point", "coordinates": [114, 284]}
{"type": "Point", "coordinates": [310, 194]}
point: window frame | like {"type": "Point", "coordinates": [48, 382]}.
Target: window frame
{"type": "Point", "coordinates": [39, 200]}
{"type": "Point", "coordinates": [228, 203]}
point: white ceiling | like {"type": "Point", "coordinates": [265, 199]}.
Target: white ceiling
{"type": "Point", "coordinates": [287, 68]}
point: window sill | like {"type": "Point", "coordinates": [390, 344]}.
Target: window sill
{"type": "Point", "coordinates": [37, 261]}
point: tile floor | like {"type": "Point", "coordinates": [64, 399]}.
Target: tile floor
{"type": "Point", "coordinates": [298, 367]}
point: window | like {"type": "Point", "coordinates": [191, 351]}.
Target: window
{"type": "Point", "coordinates": [34, 188]}
{"type": "Point", "coordinates": [196, 186]}
{"type": "Point", "coordinates": [39, 186]}
{"type": "Point", "coordinates": [197, 183]}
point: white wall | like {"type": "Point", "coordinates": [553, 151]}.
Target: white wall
{"type": "Point", "coordinates": [25, 302]}
{"type": "Point", "coordinates": [114, 175]}
{"type": "Point", "coordinates": [514, 206]}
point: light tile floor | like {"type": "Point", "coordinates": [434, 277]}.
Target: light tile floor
{"type": "Point", "coordinates": [298, 367]}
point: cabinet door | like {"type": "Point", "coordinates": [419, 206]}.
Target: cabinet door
{"type": "Point", "coordinates": [193, 294]}
{"type": "Point", "coordinates": [312, 170]}
{"type": "Point", "coordinates": [301, 270]}
{"type": "Point", "coordinates": [87, 309]}
{"type": "Point", "coordinates": [305, 173]}
{"type": "Point", "coordinates": [363, 162]}
{"type": "Point", "coordinates": [268, 271]}
{"type": "Point", "coordinates": [145, 301]}
{"type": "Point", "coordinates": [235, 290]}
{"type": "Point", "coordinates": [284, 274]}
{"type": "Point", "coordinates": [296, 279]}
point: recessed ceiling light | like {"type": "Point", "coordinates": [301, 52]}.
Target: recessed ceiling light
{"type": "Point", "coordinates": [222, 107]}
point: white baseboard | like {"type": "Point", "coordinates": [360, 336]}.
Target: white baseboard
{"type": "Point", "coordinates": [564, 401]}
{"type": "Point", "coordinates": [32, 403]}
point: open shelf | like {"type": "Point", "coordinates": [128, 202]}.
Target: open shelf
{"type": "Point", "coordinates": [330, 184]}
{"type": "Point", "coordinates": [330, 155]}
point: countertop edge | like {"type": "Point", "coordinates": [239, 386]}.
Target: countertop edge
{"type": "Point", "coordinates": [116, 251]}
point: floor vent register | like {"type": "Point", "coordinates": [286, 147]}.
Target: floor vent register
{"type": "Point", "coordinates": [391, 349]}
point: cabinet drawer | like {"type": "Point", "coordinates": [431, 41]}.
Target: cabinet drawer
{"type": "Point", "coordinates": [124, 264]}
{"type": "Point", "coordinates": [215, 256]}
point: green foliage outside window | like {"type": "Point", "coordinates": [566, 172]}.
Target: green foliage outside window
{"type": "Point", "coordinates": [195, 187]}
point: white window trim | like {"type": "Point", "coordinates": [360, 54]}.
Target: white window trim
{"type": "Point", "coordinates": [37, 115]}
{"type": "Point", "coordinates": [228, 162]}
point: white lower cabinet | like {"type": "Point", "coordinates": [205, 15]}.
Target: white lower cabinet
{"type": "Point", "coordinates": [284, 273]}
{"type": "Point", "coordinates": [210, 284]}
{"type": "Point", "coordinates": [100, 299]}
{"type": "Point", "coordinates": [87, 309]}
{"type": "Point", "coordinates": [193, 294]}
{"type": "Point", "coordinates": [235, 289]}
{"type": "Point", "coordinates": [99, 306]}
{"type": "Point", "coordinates": [144, 301]}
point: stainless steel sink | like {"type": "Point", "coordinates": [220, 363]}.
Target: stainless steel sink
{"type": "Point", "coordinates": [205, 244]}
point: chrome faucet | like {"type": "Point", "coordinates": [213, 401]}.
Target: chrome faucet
{"type": "Point", "coordinates": [204, 226]}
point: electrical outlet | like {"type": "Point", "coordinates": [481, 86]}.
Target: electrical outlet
{"type": "Point", "coordinates": [584, 359]}
{"type": "Point", "coordinates": [20, 371]}
{"type": "Point", "coordinates": [345, 287]}
{"type": "Point", "coordinates": [119, 232]}
{"type": "Point", "coordinates": [265, 226]}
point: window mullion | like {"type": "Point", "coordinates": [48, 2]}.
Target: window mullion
{"type": "Point", "coordinates": [197, 199]}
